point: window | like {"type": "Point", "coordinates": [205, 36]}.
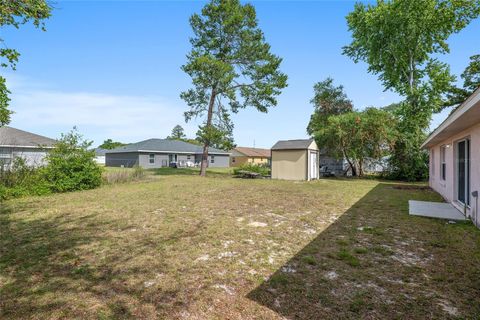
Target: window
{"type": "Point", "coordinates": [5, 159]}
{"type": "Point", "coordinates": [188, 157]}
{"type": "Point", "coordinates": [233, 159]}
{"type": "Point", "coordinates": [432, 166]}
{"type": "Point", "coordinates": [212, 159]}
{"type": "Point", "coordinates": [443, 164]}
{"type": "Point", "coordinates": [151, 158]}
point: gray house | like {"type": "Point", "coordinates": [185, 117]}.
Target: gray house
{"type": "Point", "coordinates": [157, 153]}
{"type": "Point", "coordinates": [18, 143]}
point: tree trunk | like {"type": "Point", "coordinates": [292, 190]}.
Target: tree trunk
{"type": "Point", "coordinates": [206, 144]}
{"type": "Point", "coordinates": [352, 166]}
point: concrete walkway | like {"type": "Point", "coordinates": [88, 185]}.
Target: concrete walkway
{"type": "Point", "coordinates": [434, 210]}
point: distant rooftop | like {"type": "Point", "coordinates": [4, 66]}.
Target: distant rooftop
{"type": "Point", "coordinates": [164, 145]}
{"type": "Point", "coordinates": [18, 138]}
{"type": "Point", "coordinates": [292, 144]}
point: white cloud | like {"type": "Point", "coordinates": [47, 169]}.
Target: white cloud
{"type": "Point", "coordinates": [98, 115]}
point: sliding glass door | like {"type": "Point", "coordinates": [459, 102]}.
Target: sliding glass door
{"type": "Point", "coordinates": [463, 171]}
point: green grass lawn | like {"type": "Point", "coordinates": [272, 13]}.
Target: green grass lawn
{"type": "Point", "coordinates": [178, 246]}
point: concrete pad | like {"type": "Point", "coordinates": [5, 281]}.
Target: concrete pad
{"type": "Point", "coordinates": [434, 210]}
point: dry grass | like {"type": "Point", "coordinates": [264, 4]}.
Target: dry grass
{"type": "Point", "coordinates": [179, 246]}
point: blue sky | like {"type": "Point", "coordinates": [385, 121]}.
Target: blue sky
{"type": "Point", "coordinates": [112, 68]}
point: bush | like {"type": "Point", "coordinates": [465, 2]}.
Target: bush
{"type": "Point", "coordinates": [71, 165]}
{"type": "Point", "coordinates": [250, 167]}
{"type": "Point", "coordinates": [21, 180]}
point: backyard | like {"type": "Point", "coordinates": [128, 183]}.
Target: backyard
{"type": "Point", "coordinates": [178, 246]}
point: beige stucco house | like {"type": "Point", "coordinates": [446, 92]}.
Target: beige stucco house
{"type": "Point", "coordinates": [295, 160]}
{"type": "Point", "coordinates": [455, 157]}
{"type": "Point", "coordinates": [242, 155]}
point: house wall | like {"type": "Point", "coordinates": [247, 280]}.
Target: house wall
{"type": "Point", "coordinates": [236, 161]}
{"type": "Point", "coordinates": [220, 161]}
{"type": "Point", "coordinates": [127, 159]}
{"type": "Point", "coordinates": [447, 187]}
{"type": "Point", "coordinates": [33, 156]}
{"type": "Point", "coordinates": [289, 164]}
{"type": "Point", "coordinates": [332, 165]}
{"type": "Point", "coordinates": [130, 159]}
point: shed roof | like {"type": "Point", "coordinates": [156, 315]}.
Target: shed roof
{"type": "Point", "coordinates": [292, 144]}
{"type": "Point", "coordinates": [12, 137]}
{"type": "Point", "coordinates": [164, 145]}
{"type": "Point", "coordinates": [254, 152]}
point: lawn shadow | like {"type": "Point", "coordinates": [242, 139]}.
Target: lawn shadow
{"type": "Point", "coordinates": [375, 262]}
{"type": "Point", "coordinates": [44, 275]}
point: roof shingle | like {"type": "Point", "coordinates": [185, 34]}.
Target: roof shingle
{"type": "Point", "coordinates": [292, 144]}
{"type": "Point", "coordinates": [14, 137]}
{"type": "Point", "coordinates": [164, 145]}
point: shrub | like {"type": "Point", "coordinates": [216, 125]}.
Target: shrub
{"type": "Point", "coordinates": [250, 167]}
{"type": "Point", "coordinates": [71, 165]}
{"type": "Point", "coordinates": [21, 180]}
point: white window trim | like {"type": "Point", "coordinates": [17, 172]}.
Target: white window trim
{"type": "Point", "coordinates": [443, 162]}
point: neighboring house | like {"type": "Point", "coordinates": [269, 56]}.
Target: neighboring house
{"type": "Point", "coordinates": [455, 157]}
{"type": "Point", "coordinates": [295, 160]}
{"type": "Point", "coordinates": [157, 153]}
{"type": "Point", "coordinates": [339, 167]}
{"type": "Point", "coordinates": [18, 143]}
{"type": "Point", "coordinates": [330, 166]}
{"type": "Point", "coordinates": [100, 156]}
{"type": "Point", "coordinates": [242, 155]}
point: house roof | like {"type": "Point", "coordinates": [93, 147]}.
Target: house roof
{"type": "Point", "coordinates": [11, 137]}
{"type": "Point", "coordinates": [164, 145]}
{"type": "Point", "coordinates": [292, 144]}
{"type": "Point", "coordinates": [253, 152]}
{"type": "Point", "coordinates": [100, 151]}
{"type": "Point", "coordinates": [466, 115]}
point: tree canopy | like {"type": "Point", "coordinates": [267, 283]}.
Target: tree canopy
{"type": "Point", "coordinates": [231, 67]}
{"type": "Point", "coordinates": [471, 82]}
{"type": "Point", "coordinates": [328, 100]}
{"type": "Point", "coordinates": [16, 13]}
{"type": "Point", "coordinates": [358, 136]}
{"type": "Point", "coordinates": [177, 133]}
{"type": "Point", "coordinates": [401, 41]}
{"type": "Point", "coordinates": [110, 144]}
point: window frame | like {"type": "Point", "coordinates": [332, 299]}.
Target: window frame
{"type": "Point", "coordinates": [443, 163]}
{"type": "Point", "coordinates": [151, 160]}
{"type": "Point", "coordinates": [212, 159]}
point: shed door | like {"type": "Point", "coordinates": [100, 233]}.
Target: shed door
{"type": "Point", "coordinates": [313, 166]}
